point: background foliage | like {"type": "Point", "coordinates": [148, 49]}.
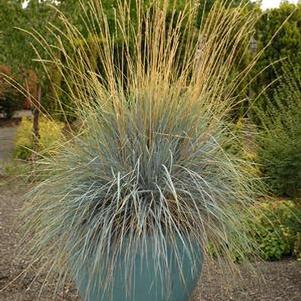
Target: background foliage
{"type": "Point", "coordinates": [279, 153]}
{"type": "Point", "coordinates": [278, 229]}
{"type": "Point", "coordinates": [285, 22]}
{"type": "Point", "coordinates": [16, 50]}
{"type": "Point", "coordinates": [50, 136]}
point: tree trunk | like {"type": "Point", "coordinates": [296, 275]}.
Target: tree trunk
{"type": "Point", "coordinates": [36, 115]}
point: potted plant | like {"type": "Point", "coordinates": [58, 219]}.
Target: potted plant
{"type": "Point", "coordinates": [144, 190]}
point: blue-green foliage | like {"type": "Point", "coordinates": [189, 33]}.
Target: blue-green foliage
{"type": "Point", "coordinates": [123, 182]}
{"type": "Point", "coordinates": [149, 160]}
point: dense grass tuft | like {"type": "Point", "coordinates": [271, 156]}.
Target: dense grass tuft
{"type": "Point", "coordinates": [148, 159]}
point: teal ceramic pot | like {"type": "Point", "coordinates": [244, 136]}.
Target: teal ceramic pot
{"type": "Point", "coordinates": [147, 283]}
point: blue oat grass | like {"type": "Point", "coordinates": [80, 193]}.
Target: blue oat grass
{"type": "Point", "coordinates": [148, 161]}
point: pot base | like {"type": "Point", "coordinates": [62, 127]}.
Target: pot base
{"type": "Point", "coordinates": [146, 281]}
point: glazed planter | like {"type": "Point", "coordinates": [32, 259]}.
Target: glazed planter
{"type": "Point", "coordinates": [145, 279]}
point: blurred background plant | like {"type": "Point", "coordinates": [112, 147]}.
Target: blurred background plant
{"type": "Point", "coordinates": [10, 101]}
{"type": "Point", "coordinates": [278, 228]}
{"type": "Point", "coordinates": [51, 135]}
{"type": "Point", "coordinates": [16, 49]}
{"type": "Point", "coordinates": [279, 139]}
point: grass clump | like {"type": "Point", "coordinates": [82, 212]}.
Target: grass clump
{"type": "Point", "coordinates": [149, 158]}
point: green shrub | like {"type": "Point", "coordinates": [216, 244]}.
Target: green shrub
{"type": "Point", "coordinates": [50, 135]}
{"type": "Point", "coordinates": [10, 101]}
{"type": "Point", "coordinates": [280, 139]}
{"type": "Point", "coordinates": [274, 226]}
{"type": "Point", "coordinates": [278, 229]}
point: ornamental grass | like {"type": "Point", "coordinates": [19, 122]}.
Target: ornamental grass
{"type": "Point", "coordinates": [148, 159]}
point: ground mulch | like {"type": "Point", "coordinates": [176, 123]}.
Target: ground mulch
{"type": "Point", "coordinates": [273, 281]}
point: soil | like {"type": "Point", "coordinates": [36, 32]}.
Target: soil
{"type": "Point", "coordinates": [278, 281]}
{"type": "Point", "coordinates": [271, 281]}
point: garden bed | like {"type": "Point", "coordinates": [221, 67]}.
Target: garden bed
{"type": "Point", "coordinates": [272, 281]}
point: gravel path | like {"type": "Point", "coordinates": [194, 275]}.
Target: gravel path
{"type": "Point", "coordinates": [7, 136]}
{"type": "Point", "coordinates": [279, 281]}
